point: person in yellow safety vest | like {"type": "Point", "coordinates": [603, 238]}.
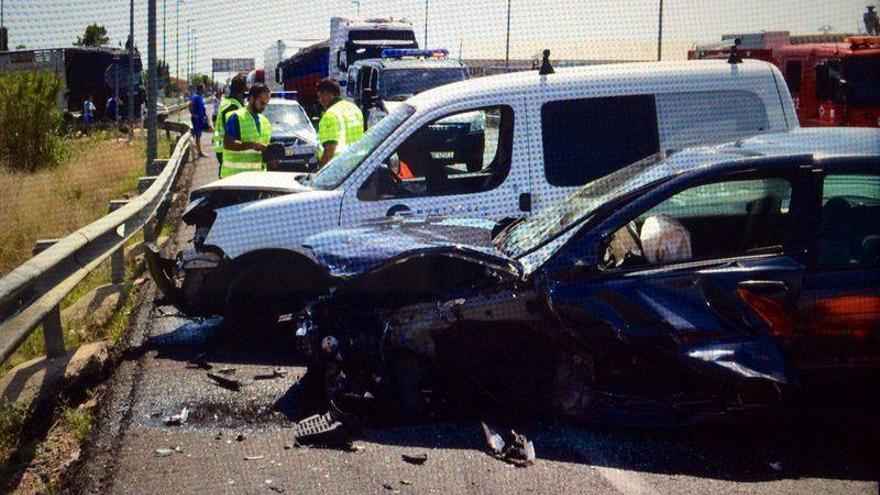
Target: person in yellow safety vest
{"type": "Point", "coordinates": [248, 134]}
{"type": "Point", "coordinates": [228, 104]}
{"type": "Point", "coordinates": [341, 125]}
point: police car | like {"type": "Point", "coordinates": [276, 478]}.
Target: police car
{"type": "Point", "coordinates": [291, 127]}
{"type": "Point", "coordinates": [547, 133]}
{"type": "Point", "coordinates": [380, 85]}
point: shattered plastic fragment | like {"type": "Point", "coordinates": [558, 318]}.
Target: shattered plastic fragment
{"type": "Point", "coordinates": [254, 457]}
{"type": "Point", "coordinates": [178, 419]}
{"type": "Point", "coordinates": [415, 459]}
{"type": "Point", "coordinates": [320, 429]}
{"type": "Point", "coordinates": [276, 373]}
{"type": "Point", "coordinates": [163, 452]}
{"type": "Point", "coordinates": [512, 448]}
{"type": "Point", "coordinates": [227, 383]}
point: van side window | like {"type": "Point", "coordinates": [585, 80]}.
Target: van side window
{"type": "Point", "coordinates": [704, 117]}
{"type": "Point", "coordinates": [793, 69]}
{"type": "Point", "coordinates": [588, 138]}
{"type": "Point", "coordinates": [463, 153]}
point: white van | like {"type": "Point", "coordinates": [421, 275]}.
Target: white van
{"type": "Point", "coordinates": [545, 135]}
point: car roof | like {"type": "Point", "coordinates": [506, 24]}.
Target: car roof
{"type": "Point", "coordinates": [817, 143]}
{"type": "Point", "coordinates": [283, 101]}
{"type": "Point", "coordinates": [622, 75]}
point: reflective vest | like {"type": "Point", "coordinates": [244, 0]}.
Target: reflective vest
{"type": "Point", "coordinates": [247, 161]}
{"type": "Point", "coordinates": [343, 122]}
{"type": "Point", "coordinates": [227, 106]}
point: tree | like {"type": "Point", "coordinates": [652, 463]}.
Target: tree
{"type": "Point", "coordinates": [20, 47]}
{"type": "Point", "coordinates": [95, 35]}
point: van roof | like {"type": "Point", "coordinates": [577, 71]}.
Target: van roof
{"type": "Point", "coordinates": [669, 75]}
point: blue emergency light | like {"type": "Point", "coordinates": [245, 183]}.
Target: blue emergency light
{"type": "Point", "coordinates": [413, 52]}
{"type": "Point", "coordinates": [287, 95]}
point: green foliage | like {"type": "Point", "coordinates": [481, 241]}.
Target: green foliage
{"type": "Point", "coordinates": [95, 35]}
{"type": "Point", "coordinates": [30, 122]}
{"type": "Point", "coordinates": [12, 418]}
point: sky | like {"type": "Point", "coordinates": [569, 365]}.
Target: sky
{"type": "Point", "coordinates": [595, 29]}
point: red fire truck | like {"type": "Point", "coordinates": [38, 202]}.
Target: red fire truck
{"type": "Point", "coordinates": [833, 79]}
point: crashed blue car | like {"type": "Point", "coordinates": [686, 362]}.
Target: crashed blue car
{"type": "Point", "coordinates": [710, 281]}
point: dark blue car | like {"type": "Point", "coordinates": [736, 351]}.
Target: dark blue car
{"type": "Point", "coordinates": [733, 278]}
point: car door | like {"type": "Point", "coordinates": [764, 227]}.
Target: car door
{"type": "Point", "coordinates": [690, 271]}
{"type": "Point", "coordinates": [835, 334]}
{"type": "Point", "coordinates": [426, 175]}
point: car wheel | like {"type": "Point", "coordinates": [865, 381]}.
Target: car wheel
{"type": "Point", "coordinates": [406, 378]}
{"type": "Point", "coordinates": [258, 296]}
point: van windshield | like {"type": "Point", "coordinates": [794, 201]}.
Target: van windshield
{"type": "Point", "coordinates": [400, 84]}
{"type": "Point", "coordinates": [340, 167]}
{"type": "Point", "coordinates": [862, 76]}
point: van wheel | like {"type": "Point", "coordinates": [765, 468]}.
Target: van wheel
{"type": "Point", "coordinates": [258, 296]}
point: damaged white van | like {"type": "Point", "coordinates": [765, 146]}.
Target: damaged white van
{"type": "Point", "coordinates": [546, 133]}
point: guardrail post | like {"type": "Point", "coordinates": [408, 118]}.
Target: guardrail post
{"type": "Point", "coordinates": [144, 183]}
{"type": "Point", "coordinates": [117, 259]}
{"type": "Point", "coordinates": [156, 166]}
{"type": "Point", "coordinates": [53, 335]}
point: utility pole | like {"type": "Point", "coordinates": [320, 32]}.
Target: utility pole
{"type": "Point", "coordinates": [507, 51]}
{"type": "Point", "coordinates": [4, 34]}
{"type": "Point", "coordinates": [426, 25]}
{"type": "Point", "coordinates": [131, 79]}
{"type": "Point", "coordinates": [164, 39]}
{"type": "Point", "coordinates": [177, 42]}
{"type": "Point", "coordinates": [660, 33]}
{"type": "Point", "coordinates": [151, 82]}
{"type": "Point", "coordinates": [188, 47]}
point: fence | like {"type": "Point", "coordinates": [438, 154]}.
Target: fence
{"type": "Point", "coordinates": [31, 293]}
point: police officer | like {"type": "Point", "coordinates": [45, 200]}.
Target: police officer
{"type": "Point", "coordinates": [228, 104]}
{"type": "Point", "coordinates": [341, 125]}
{"type": "Point", "coordinates": [248, 134]}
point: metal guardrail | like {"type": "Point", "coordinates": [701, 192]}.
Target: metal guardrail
{"type": "Point", "coordinates": [31, 293]}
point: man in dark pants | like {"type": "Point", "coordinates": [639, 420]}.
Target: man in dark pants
{"type": "Point", "coordinates": [229, 104]}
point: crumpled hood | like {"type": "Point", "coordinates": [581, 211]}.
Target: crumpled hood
{"type": "Point", "coordinates": [353, 251]}
{"type": "Point", "coordinates": [283, 182]}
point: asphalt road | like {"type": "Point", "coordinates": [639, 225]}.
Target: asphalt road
{"type": "Point", "coordinates": [234, 441]}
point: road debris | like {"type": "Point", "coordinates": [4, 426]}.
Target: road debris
{"type": "Point", "coordinates": [513, 448]}
{"type": "Point", "coordinates": [163, 452]}
{"type": "Point", "coordinates": [227, 383]}
{"type": "Point", "coordinates": [276, 489]}
{"type": "Point", "coordinates": [321, 429]}
{"type": "Point", "coordinates": [406, 482]}
{"type": "Point", "coordinates": [227, 371]}
{"type": "Point", "coordinates": [254, 457]}
{"type": "Point", "coordinates": [276, 373]}
{"type": "Point", "coordinates": [418, 459]}
{"type": "Point", "coordinates": [389, 487]}
{"type": "Point", "coordinates": [178, 419]}
{"type": "Point", "coordinates": [166, 452]}
{"type": "Point", "coordinates": [240, 437]}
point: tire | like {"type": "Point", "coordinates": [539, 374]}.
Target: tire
{"type": "Point", "coordinates": [257, 296]}
{"type": "Point", "coordinates": [406, 386]}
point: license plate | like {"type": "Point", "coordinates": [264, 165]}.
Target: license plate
{"type": "Point", "coordinates": [441, 155]}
